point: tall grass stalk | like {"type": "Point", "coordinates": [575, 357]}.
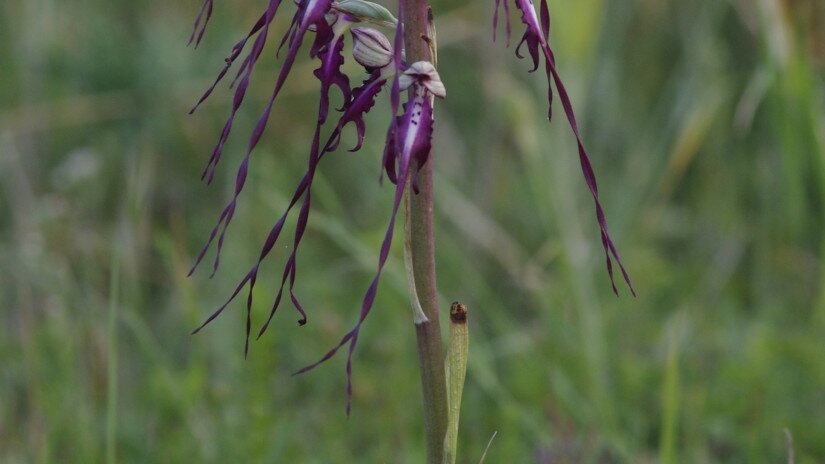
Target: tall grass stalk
{"type": "Point", "coordinates": [670, 396]}
{"type": "Point", "coordinates": [111, 356]}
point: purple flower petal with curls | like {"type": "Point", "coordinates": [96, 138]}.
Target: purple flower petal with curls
{"type": "Point", "coordinates": [536, 38]}
{"type": "Point", "coordinates": [310, 13]}
{"type": "Point", "coordinates": [413, 134]}
{"type": "Point", "coordinates": [388, 159]}
{"type": "Point", "coordinates": [409, 137]}
{"type": "Point", "coordinates": [229, 61]}
{"type": "Point", "coordinates": [199, 29]}
{"type": "Point", "coordinates": [363, 98]}
{"type": "Point", "coordinates": [506, 18]}
{"type": "Point", "coordinates": [328, 46]}
{"type": "Point", "coordinates": [357, 103]}
{"type": "Point", "coordinates": [261, 27]}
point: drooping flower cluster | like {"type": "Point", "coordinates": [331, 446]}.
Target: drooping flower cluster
{"type": "Point", "coordinates": [408, 136]}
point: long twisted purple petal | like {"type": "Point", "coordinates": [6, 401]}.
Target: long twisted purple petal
{"type": "Point", "coordinates": [535, 37]}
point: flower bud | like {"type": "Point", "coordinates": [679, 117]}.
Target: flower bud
{"type": "Point", "coordinates": [366, 11]}
{"type": "Point", "coordinates": [423, 73]}
{"type": "Point", "coordinates": [371, 48]}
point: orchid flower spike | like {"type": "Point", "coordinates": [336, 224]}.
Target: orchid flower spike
{"type": "Point", "coordinates": [408, 137]}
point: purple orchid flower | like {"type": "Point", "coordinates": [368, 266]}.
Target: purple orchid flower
{"type": "Point", "coordinates": [536, 36]}
{"type": "Point", "coordinates": [310, 13]}
{"type": "Point", "coordinates": [329, 27]}
{"type": "Point", "coordinates": [329, 42]}
{"type": "Point", "coordinates": [408, 140]}
{"type": "Point", "coordinates": [408, 137]}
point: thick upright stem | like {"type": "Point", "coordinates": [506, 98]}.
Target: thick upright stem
{"type": "Point", "coordinates": [422, 238]}
{"type": "Point", "coordinates": [430, 346]}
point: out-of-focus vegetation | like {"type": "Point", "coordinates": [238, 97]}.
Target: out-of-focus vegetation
{"type": "Point", "coordinates": [706, 124]}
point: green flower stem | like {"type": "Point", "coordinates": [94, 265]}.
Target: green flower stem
{"type": "Point", "coordinates": [418, 312]}
{"type": "Point", "coordinates": [422, 246]}
{"type": "Point", "coordinates": [428, 332]}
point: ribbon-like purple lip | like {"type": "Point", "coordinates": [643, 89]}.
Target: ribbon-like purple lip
{"type": "Point", "coordinates": [536, 36]}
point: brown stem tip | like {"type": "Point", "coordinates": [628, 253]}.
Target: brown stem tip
{"type": "Point", "coordinates": [458, 313]}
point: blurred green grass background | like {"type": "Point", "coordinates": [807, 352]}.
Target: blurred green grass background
{"type": "Point", "coordinates": [706, 124]}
